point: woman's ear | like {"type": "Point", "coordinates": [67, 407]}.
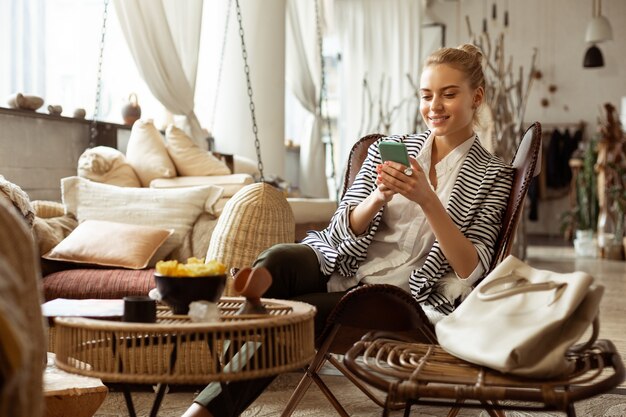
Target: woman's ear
{"type": "Point", "coordinates": [479, 94]}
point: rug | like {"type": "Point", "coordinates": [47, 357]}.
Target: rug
{"type": "Point", "coordinates": [273, 400]}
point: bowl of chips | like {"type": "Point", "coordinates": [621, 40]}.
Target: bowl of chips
{"type": "Point", "coordinates": [179, 284]}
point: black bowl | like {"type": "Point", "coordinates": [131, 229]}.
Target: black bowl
{"type": "Point", "coordinates": [179, 292]}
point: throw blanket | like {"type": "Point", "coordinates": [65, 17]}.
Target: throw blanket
{"type": "Point", "coordinates": [19, 198]}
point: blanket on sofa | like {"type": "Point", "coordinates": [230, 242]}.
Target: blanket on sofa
{"type": "Point", "coordinates": [18, 198]}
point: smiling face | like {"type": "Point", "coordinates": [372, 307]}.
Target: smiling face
{"type": "Point", "coordinates": [448, 102]}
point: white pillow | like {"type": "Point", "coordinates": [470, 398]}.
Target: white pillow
{"type": "Point", "coordinates": [189, 159]}
{"type": "Point", "coordinates": [107, 165]}
{"type": "Point", "coordinates": [176, 208]}
{"type": "Point", "coordinates": [243, 165]}
{"type": "Point", "coordinates": [230, 183]}
{"type": "Point", "coordinates": [147, 154]}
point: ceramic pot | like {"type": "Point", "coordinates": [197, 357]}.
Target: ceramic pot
{"type": "Point", "coordinates": [252, 284]}
{"type": "Point", "coordinates": [131, 112]}
{"type": "Point", "coordinates": [55, 110]}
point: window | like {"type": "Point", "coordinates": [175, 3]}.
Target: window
{"type": "Point", "coordinates": [51, 49]}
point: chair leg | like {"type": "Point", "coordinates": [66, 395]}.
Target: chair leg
{"type": "Point", "coordinates": [571, 411]}
{"type": "Point", "coordinates": [297, 395]}
{"type": "Point", "coordinates": [313, 368]}
{"type": "Point", "coordinates": [329, 395]}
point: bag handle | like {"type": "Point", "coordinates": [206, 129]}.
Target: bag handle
{"type": "Point", "coordinates": [521, 285]}
{"type": "Point", "coordinates": [592, 339]}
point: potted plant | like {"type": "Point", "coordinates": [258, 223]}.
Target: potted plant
{"type": "Point", "coordinates": [581, 219]}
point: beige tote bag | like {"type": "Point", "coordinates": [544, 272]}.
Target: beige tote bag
{"type": "Point", "coordinates": [521, 320]}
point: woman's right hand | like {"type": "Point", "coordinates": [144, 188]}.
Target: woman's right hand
{"type": "Point", "coordinates": [362, 215]}
{"type": "Point", "coordinates": [382, 193]}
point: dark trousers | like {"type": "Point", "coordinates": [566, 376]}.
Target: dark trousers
{"type": "Point", "coordinates": [295, 275]}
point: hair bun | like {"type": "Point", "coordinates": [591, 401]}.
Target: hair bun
{"type": "Point", "coordinates": [473, 50]}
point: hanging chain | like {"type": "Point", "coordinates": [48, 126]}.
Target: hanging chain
{"type": "Point", "coordinates": [323, 100]}
{"type": "Point", "coordinates": [93, 130]}
{"type": "Point", "coordinates": [246, 68]}
{"type": "Point", "coordinates": [219, 71]}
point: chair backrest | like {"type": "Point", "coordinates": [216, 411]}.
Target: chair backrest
{"type": "Point", "coordinates": [527, 164]}
{"type": "Point", "coordinates": [382, 307]}
{"type": "Point", "coordinates": [358, 153]}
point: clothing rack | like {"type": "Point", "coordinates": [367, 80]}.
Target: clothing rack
{"type": "Point", "coordinates": [547, 130]}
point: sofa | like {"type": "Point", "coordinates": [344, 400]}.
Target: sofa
{"type": "Point", "coordinates": [161, 185]}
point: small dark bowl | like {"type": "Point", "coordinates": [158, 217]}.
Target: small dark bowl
{"type": "Point", "coordinates": [178, 292]}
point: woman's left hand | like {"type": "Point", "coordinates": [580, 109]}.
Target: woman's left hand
{"type": "Point", "coordinates": [411, 183]}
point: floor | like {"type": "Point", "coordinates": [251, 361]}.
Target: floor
{"type": "Point", "coordinates": [611, 274]}
{"type": "Point", "coordinates": [551, 254]}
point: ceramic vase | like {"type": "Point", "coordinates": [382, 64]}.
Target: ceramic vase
{"type": "Point", "coordinates": [252, 284]}
{"type": "Point", "coordinates": [131, 112]}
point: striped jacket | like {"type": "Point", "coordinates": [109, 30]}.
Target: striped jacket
{"type": "Point", "coordinates": [476, 205]}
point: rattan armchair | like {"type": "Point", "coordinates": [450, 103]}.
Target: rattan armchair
{"type": "Point", "coordinates": [389, 308]}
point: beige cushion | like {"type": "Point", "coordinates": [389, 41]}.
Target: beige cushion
{"type": "Point", "coordinates": [312, 210]}
{"type": "Point", "coordinates": [49, 232]}
{"type": "Point", "coordinates": [230, 183]}
{"type": "Point", "coordinates": [110, 244]}
{"type": "Point", "coordinates": [107, 165]}
{"type": "Point", "coordinates": [243, 165]}
{"type": "Point", "coordinates": [176, 208]}
{"type": "Point", "coordinates": [47, 209]}
{"type": "Point", "coordinates": [147, 154]}
{"type": "Point", "coordinates": [189, 159]}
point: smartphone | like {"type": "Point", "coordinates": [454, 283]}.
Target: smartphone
{"type": "Point", "coordinates": [394, 151]}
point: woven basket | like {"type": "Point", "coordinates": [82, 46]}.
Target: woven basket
{"type": "Point", "coordinates": [257, 217]}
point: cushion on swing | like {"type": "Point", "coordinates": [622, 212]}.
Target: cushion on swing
{"type": "Point", "coordinates": [147, 154]}
{"type": "Point", "coordinates": [230, 183]}
{"type": "Point", "coordinates": [107, 165]}
{"type": "Point", "coordinates": [188, 158]}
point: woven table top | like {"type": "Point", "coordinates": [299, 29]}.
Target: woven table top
{"type": "Point", "coordinates": [177, 350]}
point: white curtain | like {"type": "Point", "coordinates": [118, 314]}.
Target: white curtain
{"type": "Point", "coordinates": [377, 38]}
{"type": "Point", "coordinates": [164, 38]}
{"type": "Point", "coordinates": [22, 46]}
{"type": "Point", "coordinates": [303, 76]}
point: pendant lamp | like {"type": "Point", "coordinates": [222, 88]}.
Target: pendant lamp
{"type": "Point", "coordinates": [599, 28]}
{"type": "Point", "coordinates": [593, 57]}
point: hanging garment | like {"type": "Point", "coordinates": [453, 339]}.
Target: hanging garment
{"type": "Point", "coordinates": [560, 149]}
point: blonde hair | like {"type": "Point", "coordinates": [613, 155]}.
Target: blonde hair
{"type": "Point", "coordinates": [466, 58]}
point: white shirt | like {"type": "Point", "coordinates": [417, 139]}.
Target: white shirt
{"type": "Point", "coordinates": [404, 237]}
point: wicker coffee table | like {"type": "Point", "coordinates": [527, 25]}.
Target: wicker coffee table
{"type": "Point", "coordinates": [175, 350]}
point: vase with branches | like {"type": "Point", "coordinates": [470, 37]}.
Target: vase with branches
{"type": "Point", "coordinates": [611, 169]}
{"type": "Point", "coordinates": [506, 91]}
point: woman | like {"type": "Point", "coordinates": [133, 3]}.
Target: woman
{"type": "Point", "coordinates": [430, 228]}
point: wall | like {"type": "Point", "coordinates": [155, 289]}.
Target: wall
{"type": "Point", "coordinates": [37, 150]}
{"type": "Point", "coordinates": [557, 29]}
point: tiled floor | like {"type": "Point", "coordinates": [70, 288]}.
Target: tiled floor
{"type": "Point", "coordinates": [611, 274]}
